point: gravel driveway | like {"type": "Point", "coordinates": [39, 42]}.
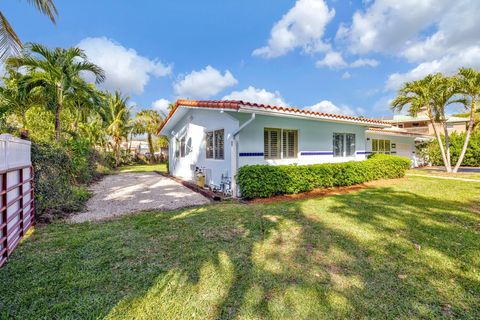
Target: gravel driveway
{"type": "Point", "coordinates": [125, 193]}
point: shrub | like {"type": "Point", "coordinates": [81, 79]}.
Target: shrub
{"type": "Point", "coordinates": [263, 181]}
{"type": "Point", "coordinates": [55, 185]}
{"type": "Point", "coordinates": [431, 150]}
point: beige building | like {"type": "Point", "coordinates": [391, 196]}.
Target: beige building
{"type": "Point", "coordinates": [422, 125]}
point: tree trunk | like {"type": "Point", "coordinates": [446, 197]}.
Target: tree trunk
{"type": "Point", "coordinates": [150, 147]}
{"type": "Point", "coordinates": [57, 123]}
{"type": "Point", "coordinates": [440, 143]}
{"type": "Point", "coordinates": [447, 147]}
{"type": "Point", "coordinates": [467, 136]}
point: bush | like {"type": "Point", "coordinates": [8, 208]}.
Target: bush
{"type": "Point", "coordinates": [263, 181]}
{"type": "Point", "coordinates": [431, 151]}
{"type": "Point", "coordinates": [54, 180]}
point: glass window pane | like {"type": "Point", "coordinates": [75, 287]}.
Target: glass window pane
{"type": "Point", "coordinates": [338, 146]}
{"type": "Point", "coordinates": [290, 143]}
{"type": "Point", "coordinates": [350, 144]}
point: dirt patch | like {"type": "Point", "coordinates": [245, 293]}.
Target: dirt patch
{"type": "Point", "coordinates": [326, 192]}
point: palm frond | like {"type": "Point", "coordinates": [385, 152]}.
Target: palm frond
{"type": "Point", "coordinates": [10, 43]}
{"type": "Point", "coordinates": [47, 7]}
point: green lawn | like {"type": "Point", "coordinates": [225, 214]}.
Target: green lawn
{"type": "Point", "coordinates": [144, 168]}
{"type": "Point", "coordinates": [438, 172]}
{"type": "Point", "coordinates": [402, 249]}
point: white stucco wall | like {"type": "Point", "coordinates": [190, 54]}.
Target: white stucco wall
{"type": "Point", "coordinates": [194, 125]}
{"type": "Point", "coordinates": [315, 140]}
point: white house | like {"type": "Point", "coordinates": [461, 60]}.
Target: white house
{"type": "Point", "coordinates": [221, 136]}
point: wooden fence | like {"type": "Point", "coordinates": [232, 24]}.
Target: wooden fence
{"type": "Point", "coordinates": [16, 193]}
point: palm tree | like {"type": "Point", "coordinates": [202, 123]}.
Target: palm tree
{"type": "Point", "coordinates": [423, 94]}
{"type": "Point", "coordinates": [115, 115]}
{"type": "Point", "coordinates": [149, 121]}
{"type": "Point", "coordinates": [56, 74]}
{"type": "Point", "coordinates": [444, 89]}
{"type": "Point", "coordinates": [9, 41]}
{"type": "Point", "coordinates": [469, 87]}
{"type": "Point", "coordinates": [14, 98]}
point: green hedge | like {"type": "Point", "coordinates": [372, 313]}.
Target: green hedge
{"type": "Point", "coordinates": [263, 181]}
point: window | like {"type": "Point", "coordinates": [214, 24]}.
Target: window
{"type": "Point", "coordinates": [215, 144]}
{"type": "Point", "coordinates": [344, 145]}
{"type": "Point", "coordinates": [381, 146]}
{"type": "Point", "coordinates": [280, 143]}
{"type": "Point", "coordinates": [182, 147]}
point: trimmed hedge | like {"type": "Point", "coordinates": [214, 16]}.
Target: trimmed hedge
{"type": "Point", "coordinates": [263, 181]}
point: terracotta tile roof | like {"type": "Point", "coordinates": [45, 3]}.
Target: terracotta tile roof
{"type": "Point", "coordinates": [237, 104]}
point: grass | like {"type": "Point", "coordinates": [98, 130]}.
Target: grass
{"type": "Point", "coordinates": [435, 171]}
{"type": "Point", "coordinates": [401, 249]}
{"type": "Point", "coordinates": [162, 167]}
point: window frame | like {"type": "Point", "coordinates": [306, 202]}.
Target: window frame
{"type": "Point", "coordinates": [214, 144]}
{"type": "Point", "coordinates": [380, 146]}
{"type": "Point", "coordinates": [281, 153]}
{"type": "Point", "coordinates": [343, 149]}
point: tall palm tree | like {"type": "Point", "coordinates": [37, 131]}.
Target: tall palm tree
{"type": "Point", "coordinates": [469, 87]}
{"type": "Point", "coordinates": [444, 92]}
{"type": "Point", "coordinates": [9, 41]}
{"type": "Point", "coordinates": [419, 95]}
{"type": "Point", "coordinates": [56, 74]}
{"type": "Point", "coordinates": [149, 121]}
{"type": "Point", "coordinates": [115, 115]}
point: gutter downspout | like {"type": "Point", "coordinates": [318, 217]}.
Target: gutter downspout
{"type": "Point", "coordinates": [234, 154]}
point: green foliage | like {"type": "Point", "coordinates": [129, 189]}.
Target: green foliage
{"type": "Point", "coordinates": [431, 150]}
{"type": "Point", "coordinates": [263, 181]}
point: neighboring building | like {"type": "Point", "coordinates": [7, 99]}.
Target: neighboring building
{"type": "Point", "coordinates": [422, 125]}
{"type": "Point", "coordinates": [222, 136]}
{"type": "Point", "coordinates": [136, 146]}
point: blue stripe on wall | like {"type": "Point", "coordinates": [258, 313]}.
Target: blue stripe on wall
{"type": "Point", "coordinates": [363, 152]}
{"type": "Point", "coordinates": [251, 154]}
{"type": "Point", "coordinates": [316, 153]}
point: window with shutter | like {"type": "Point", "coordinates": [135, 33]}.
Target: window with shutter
{"type": "Point", "coordinates": [381, 146]}
{"type": "Point", "coordinates": [215, 144]}
{"type": "Point", "coordinates": [338, 145]}
{"type": "Point", "coordinates": [209, 145]}
{"type": "Point", "coordinates": [279, 143]}
{"type": "Point", "coordinates": [219, 144]}
{"type": "Point", "coordinates": [290, 143]}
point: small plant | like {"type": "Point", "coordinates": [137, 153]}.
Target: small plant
{"type": "Point", "coordinates": [263, 181]}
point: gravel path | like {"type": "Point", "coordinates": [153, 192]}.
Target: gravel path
{"type": "Point", "coordinates": [125, 193]}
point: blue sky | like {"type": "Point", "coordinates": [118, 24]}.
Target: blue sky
{"type": "Point", "coordinates": [335, 56]}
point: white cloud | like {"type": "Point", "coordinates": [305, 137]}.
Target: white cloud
{"type": "Point", "coordinates": [161, 105]}
{"type": "Point", "coordinates": [436, 35]}
{"type": "Point", "coordinates": [389, 25]}
{"type": "Point", "coordinates": [346, 75]}
{"type": "Point", "coordinates": [303, 26]}
{"type": "Point", "coordinates": [329, 107]}
{"type": "Point", "coordinates": [252, 94]}
{"type": "Point", "coordinates": [332, 60]}
{"type": "Point", "coordinates": [204, 83]}
{"type": "Point", "coordinates": [364, 62]}
{"type": "Point", "coordinates": [448, 65]}
{"type": "Point", "coordinates": [125, 69]}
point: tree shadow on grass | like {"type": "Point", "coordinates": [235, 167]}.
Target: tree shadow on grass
{"type": "Point", "coordinates": [377, 253]}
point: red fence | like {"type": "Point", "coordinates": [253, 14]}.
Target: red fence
{"type": "Point", "coordinates": [16, 208]}
{"type": "Point", "coordinates": [16, 193]}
